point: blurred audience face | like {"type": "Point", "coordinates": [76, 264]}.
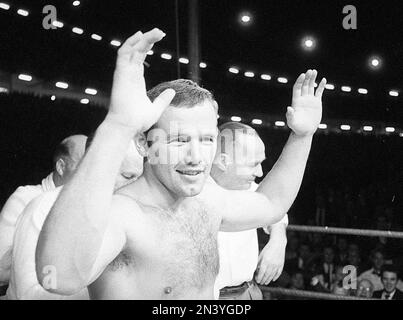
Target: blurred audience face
{"type": "Point", "coordinates": [297, 281]}
{"type": "Point", "coordinates": [328, 255]}
{"type": "Point", "coordinates": [365, 289]}
{"type": "Point", "coordinates": [304, 251]}
{"type": "Point", "coordinates": [389, 281]}
{"type": "Point", "coordinates": [354, 258]}
{"type": "Point", "coordinates": [342, 244]}
{"type": "Point", "coordinates": [377, 260]}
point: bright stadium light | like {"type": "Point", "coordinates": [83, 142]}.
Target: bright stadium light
{"type": "Point", "coordinates": [77, 30]}
{"type": "Point", "coordinates": [233, 70]}
{"type": "Point", "coordinates": [375, 62]}
{"type": "Point", "coordinates": [96, 37]}
{"type": "Point", "coordinates": [184, 60]}
{"type": "Point", "coordinates": [61, 85]}
{"type": "Point", "coordinates": [84, 101]}
{"type": "Point", "coordinates": [150, 52]}
{"type": "Point", "coordinates": [58, 24]}
{"type": "Point", "coordinates": [362, 91]}
{"type": "Point", "coordinates": [245, 18]}
{"type": "Point", "coordinates": [345, 127]}
{"type": "Point", "coordinates": [390, 129]}
{"type": "Point", "coordinates": [367, 128]}
{"type": "Point", "coordinates": [116, 43]}
{"type": "Point", "coordinates": [4, 6]}
{"type": "Point", "coordinates": [25, 77]}
{"type": "Point", "coordinates": [266, 77]}
{"type": "Point", "coordinates": [393, 93]}
{"type": "Point", "coordinates": [236, 119]}
{"type": "Point", "coordinates": [329, 86]}
{"type": "Point", "coordinates": [346, 89]}
{"type": "Point", "coordinates": [257, 121]}
{"type": "Point", "coordinates": [279, 123]}
{"type": "Point", "coordinates": [323, 126]}
{"type": "Point", "coordinates": [308, 43]}
{"type": "Point", "coordinates": [249, 74]}
{"type": "Point", "coordinates": [53, 98]}
{"type": "Point", "coordinates": [203, 65]}
{"type": "Point", "coordinates": [76, 3]}
{"type": "Point", "coordinates": [166, 56]}
{"type": "Point", "coordinates": [282, 80]}
{"type": "Point", "coordinates": [23, 12]}
{"type": "Point", "coordinates": [91, 91]}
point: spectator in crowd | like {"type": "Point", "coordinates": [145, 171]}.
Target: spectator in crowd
{"type": "Point", "coordinates": [354, 257]}
{"type": "Point", "coordinates": [374, 274]}
{"type": "Point", "coordinates": [389, 281]}
{"type": "Point", "coordinates": [342, 253]}
{"type": "Point", "coordinates": [325, 271]}
{"type": "Point", "coordinates": [365, 289]}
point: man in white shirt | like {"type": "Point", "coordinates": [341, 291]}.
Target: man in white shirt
{"type": "Point", "coordinates": [66, 157]}
{"type": "Point", "coordinates": [236, 169]}
{"type": "Point", "coordinates": [23, 281]}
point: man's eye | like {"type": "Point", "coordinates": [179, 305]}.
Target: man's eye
{"type": "Point", "coordinates": [208, 139]}
{"type": "Point", "coordinates": [181, 139]}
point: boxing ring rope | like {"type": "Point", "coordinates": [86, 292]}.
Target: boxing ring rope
{"type": "Point", "coordinates": [309, 294]}
{"type": "Point", "coordinates": [347, 231]}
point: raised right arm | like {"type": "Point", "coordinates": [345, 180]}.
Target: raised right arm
{"type": "Point", "coordinates": [72, 237]}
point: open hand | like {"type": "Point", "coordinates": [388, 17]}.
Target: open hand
{"type": "Point", "coordinates": [130, 105]}
{"type": "Point", "coordinates": [305, 113]}
{"type": "Point", "coordinates": [270, 264]}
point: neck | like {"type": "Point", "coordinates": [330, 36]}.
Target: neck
{"type": "Point", "coordinates": [220, 178]}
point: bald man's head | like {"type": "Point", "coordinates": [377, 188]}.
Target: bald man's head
{"type": "Point", "coordinates": [67, 156]}
{"type": "Point", "coordinates": [240, 153]}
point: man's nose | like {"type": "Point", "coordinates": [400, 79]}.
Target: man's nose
{"type": "Point", "coordinates": [193, 153]}
{"type": "Point", "coordinates": [259, 171]}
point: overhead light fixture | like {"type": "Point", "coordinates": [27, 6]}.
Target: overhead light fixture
{"type": "Point", "coordinates": [58, 24]}
{"type": "Point", "coordinates": [362, 91]}
{"type": "Point", "coordinates": [233, 70]}
{"type": "Point", "coordinates": [23, 12]}
{"type": "Point", "coordinates": [345, 127]}
{"type": "Point", "coordinates": [266, 77]}
{"type": "Point", "coordinates": [329, 86]}
{"type": "Point", "coordinates": [166, 56]}
{"type": "Point", "coordinates": [116, 43]}
{"type": "Point", "coordinates": [76, 3]}
{"type": "Point", "coordinates": [322, 126]}
{"type": "Point", "coordinates": [96, 37]}
{"type": "Point", "coordinates": [84, 101]}
{"type": "Point", "coordinates": [346, 89]}
{"type": "Point", "coordinates": [282, 80]}
{"type": "Point", "coordinates": [279, 123]}
{"type": "Point", "coordinates": [184, 60]}
{"type": "Point", "coordinates": [257, 121]}
{"type": "Point", "coordinates": [4, 6]}
{"type": "Point", "coordinates": [367, 128]}
{"type": "Point", "coordinates": [61, 85]}
{"type": "Point", "coordinates": [393, 93]}
{"type": "Point", "coordinates": [90, 91]}
{"type": "Point", "coordinates": [390, 129]}
{"type": "Point", "coordinates": [203, 65]}
{"type": "Point", "coordinates": [77, 30]}
{"type": "Point", "coordinates": [236, 119]}
{"type": "Point", "coordinates": [249, 74]}
{"type": "Point", "coordinates": [25, 77]}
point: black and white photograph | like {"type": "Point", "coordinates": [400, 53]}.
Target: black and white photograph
{"type": "Point", "coordinates": [213, 151]}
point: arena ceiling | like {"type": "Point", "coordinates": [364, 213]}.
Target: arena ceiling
{"type": "Point", "coordinates": [269, 44]}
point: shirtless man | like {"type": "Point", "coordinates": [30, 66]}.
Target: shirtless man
{"type": "Point", "coordinates": [156, 238]}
